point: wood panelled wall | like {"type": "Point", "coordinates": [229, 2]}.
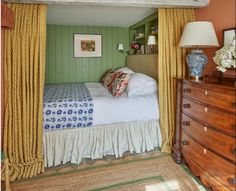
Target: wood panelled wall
{"type": "Point", "coordinates": [62, 67]}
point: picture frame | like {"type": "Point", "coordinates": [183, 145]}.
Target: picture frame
{"type": "Point", "coordinates": [228, 36]}
{"type": "Point", "coordinates": [87, 45]}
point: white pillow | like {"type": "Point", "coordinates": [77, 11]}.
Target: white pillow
{"type": "Point", "coordinates": [140, 85]}
{"type": "Point", "coordinates": [125, 70]}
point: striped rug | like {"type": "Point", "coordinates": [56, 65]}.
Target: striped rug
{"type": "Point", "coordinates": [154, 173]}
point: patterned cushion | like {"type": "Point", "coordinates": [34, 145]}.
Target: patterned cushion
{"type": "Point", "coordinates": [108, 79]}
{"type": "Point", "coordinates": [119, 84]}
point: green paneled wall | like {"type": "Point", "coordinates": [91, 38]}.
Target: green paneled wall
{"type": "Point", "coordinates": [62, 67]}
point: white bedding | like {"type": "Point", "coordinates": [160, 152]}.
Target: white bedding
{"type": "Point", "coordinates": [119, 125]}
{"type": "Point", "coordinates": [109, 110]}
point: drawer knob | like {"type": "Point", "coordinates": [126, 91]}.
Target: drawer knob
{"type": "Point", "coordinates": [205, 109]}
{"type": "Point", "coordinates": [186, 123]}
{"type": "Point", "coordinates": [206, 92]}
{"type": "Point", "coordinates": [184, 142]}
{"type": "Point", "coordinates": [186, 90]}
{"type": "Point", "coordinates": [232, 180]}
{"type": "Point", "coordinates": [234, 151]}
{"type": "Point", "coordinates": [205, 129]}
{"type": "Point", "coordinates": [186, 105]}
{"type": "Point", "coordinates": [205, 151]}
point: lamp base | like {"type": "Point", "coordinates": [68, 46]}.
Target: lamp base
{"type": "Point", "coordinates": [196, 61]}
{"type": "Point", "coordinates": [196, 78]}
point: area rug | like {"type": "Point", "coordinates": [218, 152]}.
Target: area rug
{"type": "Point", "coordinates": [155, 173]}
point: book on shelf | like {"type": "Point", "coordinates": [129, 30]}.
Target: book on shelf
{"type": "Point", "coordinates": [142, 49]}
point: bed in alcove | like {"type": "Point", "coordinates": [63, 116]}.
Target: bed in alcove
{"type": "Point", "coordinates": [85, 120]}
{"type": "Point", "coordinates": [110, 125]}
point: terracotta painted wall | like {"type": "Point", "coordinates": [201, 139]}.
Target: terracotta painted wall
{"type": "Point", "coordinates": [222, 14]}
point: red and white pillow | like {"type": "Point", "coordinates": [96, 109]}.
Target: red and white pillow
{"type": "Point", "coordinates": [119, 84]}
{"type": "Point", "coordinates": [116, 82]}
{"type": "Point", "coordinates": [108, 79]}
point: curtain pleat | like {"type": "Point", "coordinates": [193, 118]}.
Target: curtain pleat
{"type": "Point", "coordinates": [24, 66]}
{"type": "Point", "coordinates": [171, 64]}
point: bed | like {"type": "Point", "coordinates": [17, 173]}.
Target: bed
{"type": "Point", "coordinates": [83, 120]}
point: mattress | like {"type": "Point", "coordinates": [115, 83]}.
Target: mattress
{"type": "Point", "coordinates": [63, 105]}
{"type": "Point", "coordinates": [110, 110]}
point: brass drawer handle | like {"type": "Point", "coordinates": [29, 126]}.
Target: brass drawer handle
{"type": "Point", "coordinates": [205, 129]}
{"type": "Point", "coordinates": [186, 90]}
{"type": "Point", "coordinates": [205, 109]}
{"type": "Point", "coordinates": [232, 180]}
{"type": "Point", "coordinates": [184, 142]}
{"type": "Point", "coordinates": [234, 151]}
{"type": "Point", "coordinates": [186, 123]}
{"type": "Point", "coordinates": [205, 151]}
{"type": "Point", "coordinates": [206, 92]}
{"type": "Point", "coordinates": [186, 105]}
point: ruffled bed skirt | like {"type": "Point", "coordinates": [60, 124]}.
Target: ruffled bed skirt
{"type": "Point", "coordinates": [72, 145]}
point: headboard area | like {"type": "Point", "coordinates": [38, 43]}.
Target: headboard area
{"type": "Point", "coordinates": [144, 63]}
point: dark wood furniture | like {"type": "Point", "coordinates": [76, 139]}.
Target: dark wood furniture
{"type": "Point", "coordinates": [205, 132]}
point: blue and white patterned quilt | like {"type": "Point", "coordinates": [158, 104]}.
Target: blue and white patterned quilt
{"type": "Point", "coordinates": [67, 106]}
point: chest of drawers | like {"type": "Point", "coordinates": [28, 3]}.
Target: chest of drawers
{"type": "Point", "coordinates": [205, 132]}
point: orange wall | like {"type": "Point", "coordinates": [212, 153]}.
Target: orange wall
{"type": "Point", "coordinates": [222, 14]}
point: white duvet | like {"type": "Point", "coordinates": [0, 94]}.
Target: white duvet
{"type": "Point", "coordinates": [119, 125]}
{"type": "Point", "coordinates": [109, 110]}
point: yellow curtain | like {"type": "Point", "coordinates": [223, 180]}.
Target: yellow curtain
{"type": "Point", "coordinates": [171, 62]}
{"type": "Point", "coordinates": [24, 64]}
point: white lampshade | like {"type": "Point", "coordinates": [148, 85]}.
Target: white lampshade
{"type": "Point", "coordinates": [151, 40]}
{"type": "Point", "coordinates": [198, 34]}
{"type": "Point", "coordinates": [120, 47]}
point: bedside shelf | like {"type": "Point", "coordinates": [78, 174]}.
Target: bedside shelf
{"type": "Point", "coordinates": [145, 27]}
{"type": "Point", "coordinates": [140, 38]}
{"type": "Point", "coordinates": [155, 33]}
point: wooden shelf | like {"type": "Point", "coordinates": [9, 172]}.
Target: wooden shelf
{"type": "Point", "coordinates": [140, 38]}
{"type": "Point", "coordinates": [155, 33]}
{"type": "Point", "coordinates": [142, 54]}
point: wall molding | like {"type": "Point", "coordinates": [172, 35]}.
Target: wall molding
{"type": "Point", "coordinates": [130, 3]}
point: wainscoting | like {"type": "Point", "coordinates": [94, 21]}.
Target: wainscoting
{"type": "Point", "coordinates": [62, 67]}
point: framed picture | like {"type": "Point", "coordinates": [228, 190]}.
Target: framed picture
{"type": "Point", "coordinates": [87, 45]}
{"type": "Point", "coordinates": [228, 36]}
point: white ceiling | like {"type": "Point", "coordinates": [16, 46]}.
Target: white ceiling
{"type": "Point", "coordinates": [96, 15]}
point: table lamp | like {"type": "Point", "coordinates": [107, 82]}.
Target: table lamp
{"type": "Point", "coordinates": [199, 34]}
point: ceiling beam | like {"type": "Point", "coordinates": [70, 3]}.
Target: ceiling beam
{"type": "Point", "coordinates": [130, 3]}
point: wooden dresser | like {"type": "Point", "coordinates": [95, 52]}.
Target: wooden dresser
{"type": "Point", "coordinates": [205, 132]}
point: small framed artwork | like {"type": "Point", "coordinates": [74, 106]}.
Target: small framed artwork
{"type": "Point", "coordinates": [228, 36]}
{"type": "Point", "coordinates": [87, 45]}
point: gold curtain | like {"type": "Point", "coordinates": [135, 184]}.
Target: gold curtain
{"type": "Point", "coordinates": [24, 65]}
{"type": "Point", "coordinates": [171, 63]}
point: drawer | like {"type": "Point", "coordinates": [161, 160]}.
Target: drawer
{"type": "Point", "coordinates": [222, 100]}
{"type": "Point", "coordinates": [220, 143]}
{"type": "Point", "coordinates": [223, 121]}
{"type": "Point", "coordinates": [220, 169]}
